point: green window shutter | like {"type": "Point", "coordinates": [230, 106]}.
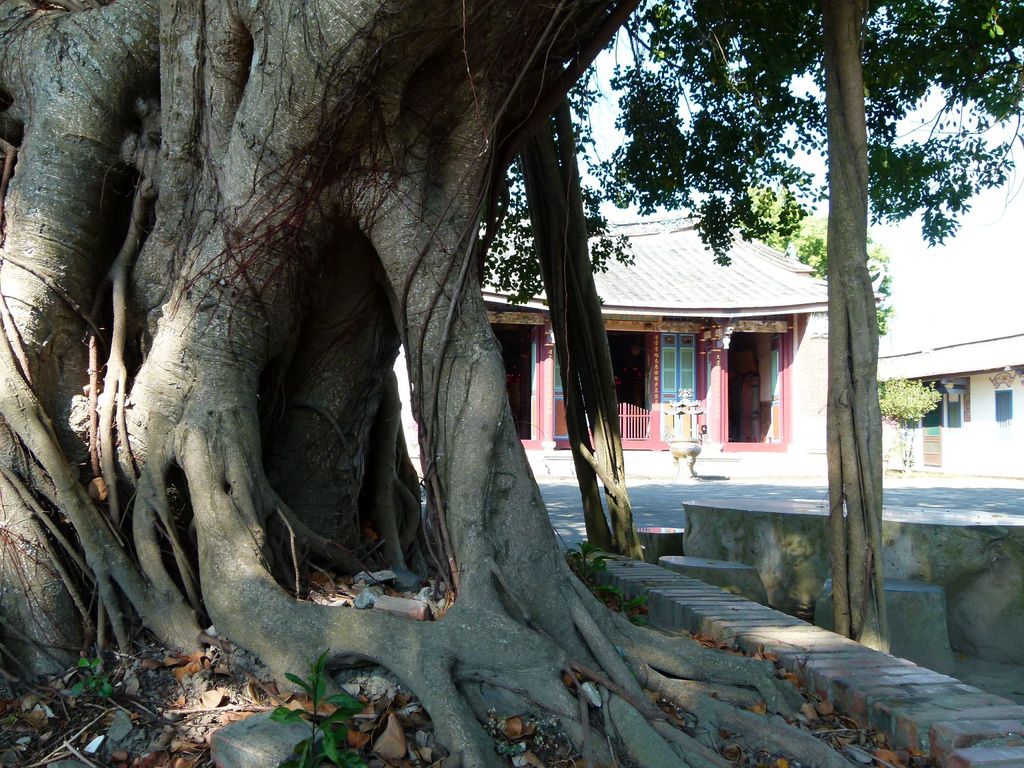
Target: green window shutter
{"type": "Point", "coordinates": [1004, 407]}
{"type": "Point", "coordinates": [669, 367]}
{"type": "Point", "coordinates": [687, 378]}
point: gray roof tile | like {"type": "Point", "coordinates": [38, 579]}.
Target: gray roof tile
{"type": "Point", "coordinates": [964, 357]}
{"type": "Point", "coordinates": [673, 274]}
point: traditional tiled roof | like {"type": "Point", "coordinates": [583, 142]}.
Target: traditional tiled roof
{"type": "Point", "coordinates": [960, 358]}
{"type": "Point", "coordinates": [674, 274]}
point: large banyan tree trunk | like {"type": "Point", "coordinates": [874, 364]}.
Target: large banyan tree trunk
{"type": "Point", "coordinates": [223, 220]}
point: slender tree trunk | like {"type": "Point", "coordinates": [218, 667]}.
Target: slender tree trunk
{"type": "Point", "coordinates": [581, 342]}
{"type": "Point", "coordinates": [854, 418]}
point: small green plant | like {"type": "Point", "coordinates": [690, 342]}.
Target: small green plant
{"type": "Point", "coordinates": [615, 599]}
{"type": "Point", "coordinates": [93, 680]}
{"type": "Point", "coordinates": [325, 731]}
{"type": "Point", "coordinates": [587, 561]}
{"type": "Point", "coordinates": [634, 609]}
{"type": "Point", "coordinates": [903, 404]}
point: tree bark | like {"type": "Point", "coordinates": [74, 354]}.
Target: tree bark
{"type": "Point", "coordinates": [581, 342]}
{"type": "Point", "coordinates": [854, 420]}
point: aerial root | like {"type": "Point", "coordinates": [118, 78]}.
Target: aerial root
{"type": "Point", "coordinates": [307, 541]}
{"type": "Point", "coordinates": [111, 403]}
{"type": "Point", "coordinates": [152, 513]}
{"type": "Point", "coordinates": [698, 754]}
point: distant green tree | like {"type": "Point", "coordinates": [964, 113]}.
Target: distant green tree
{"type": "Point", "coordinates": [904, 402]}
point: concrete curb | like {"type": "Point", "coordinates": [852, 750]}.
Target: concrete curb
{"type": "Point", "coordinates": [958, 725]}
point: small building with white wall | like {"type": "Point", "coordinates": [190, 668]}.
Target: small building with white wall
{"type": "Point", "coordinates": [978, 426]}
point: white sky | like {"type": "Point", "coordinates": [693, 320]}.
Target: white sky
{"type": "Point", "coordinates": [972, 287]}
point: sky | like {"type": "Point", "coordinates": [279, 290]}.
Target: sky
{"type": "Point", "coordinates": [971, 287]}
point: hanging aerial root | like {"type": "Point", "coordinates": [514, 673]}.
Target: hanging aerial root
{"type": "Point", "coordinates": [111, 403]}
{"type": "Point", "coordinates": [105, 554]}
{"type": "Point", "coordinates": [151, 515]}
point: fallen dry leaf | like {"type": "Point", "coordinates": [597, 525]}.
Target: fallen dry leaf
{"type": "Point", "coordinates": [390, 745]}
{"type": "Point", "coordinates": [150, 664]}
{"type": "Point", "coordinates": [213, 699]}
{"type": "Point", "coordinates": [824, 707]}
{"type": "Point", "coordinates": [234, 717]}
{"type": "Point", "coordinates": [252, 692]}
{"type": "Point", "coordinates": [759, 708]}
{"type": "Point", "coordinates": [807, 710]}
{"type": "Point", "coordinates": [889, 756]}
{"type": "Point", "coordinates": [36, 718]}
{"type": "Point", "coordinates": [782, 763]}
{"type": "Point", "coordinates": [513, 727]}
{"type": "Point", "coordinates": [187, 665]}
{"type": "Point", "coordinates": [357, 739]}
{"type": "Point", "coordinates": [98, 489]}
{"type": "Point", "coordinates": [186, 746]}
{"type": "Point", "coordinates": [732, 751]}
{"type": "Point", "coordinates": [154, 760]}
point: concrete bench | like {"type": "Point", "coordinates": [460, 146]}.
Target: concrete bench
{"type": "Point", "coordinates": [976, 556]}
{"type": "Point", "coordinates": [917, 622]}
{"type": "Point", "coordinates": [735, 578]}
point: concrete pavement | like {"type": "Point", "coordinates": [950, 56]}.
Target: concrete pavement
{"type": "Point", "coordinates": [659, 503]}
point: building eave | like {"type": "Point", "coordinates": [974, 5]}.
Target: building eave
{"type": "Point", "coordinates": [676, 311]}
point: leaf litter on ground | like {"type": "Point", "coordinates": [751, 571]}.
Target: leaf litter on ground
{"type": "Point", "coordinates": [176, 701]}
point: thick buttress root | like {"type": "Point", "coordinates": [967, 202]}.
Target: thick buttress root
{"type": "Point", "coordinates": [487, 656]}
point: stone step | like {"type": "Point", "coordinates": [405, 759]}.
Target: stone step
{"type": "Point", "coordinates": [987, 757]}
{"type": "Point", "coordinates": [256, 742]}
{"type": "Point", "coordinates": [736, 578]}
{"type": "Point", "coordinates": [660, 541]}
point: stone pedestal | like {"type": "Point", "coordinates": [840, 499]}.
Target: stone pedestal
{"type": "Point", "coordinates": [917, 622]}
{"type": "Point", "coordinates": [737, 578]}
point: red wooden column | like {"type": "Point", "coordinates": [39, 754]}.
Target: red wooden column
{"type": "Point", "coordinates": [546, 388]}
{"type": "Point", "coordinates": [718, 393]}
{"type": "Point", "coordinates": [657, 407]}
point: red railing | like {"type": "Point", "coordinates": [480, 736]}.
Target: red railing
{"type": "Point", "coordinates": [634, 422]}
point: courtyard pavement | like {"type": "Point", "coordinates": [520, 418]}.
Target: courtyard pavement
{"type": "Point", "coordinates": [659, 503]}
